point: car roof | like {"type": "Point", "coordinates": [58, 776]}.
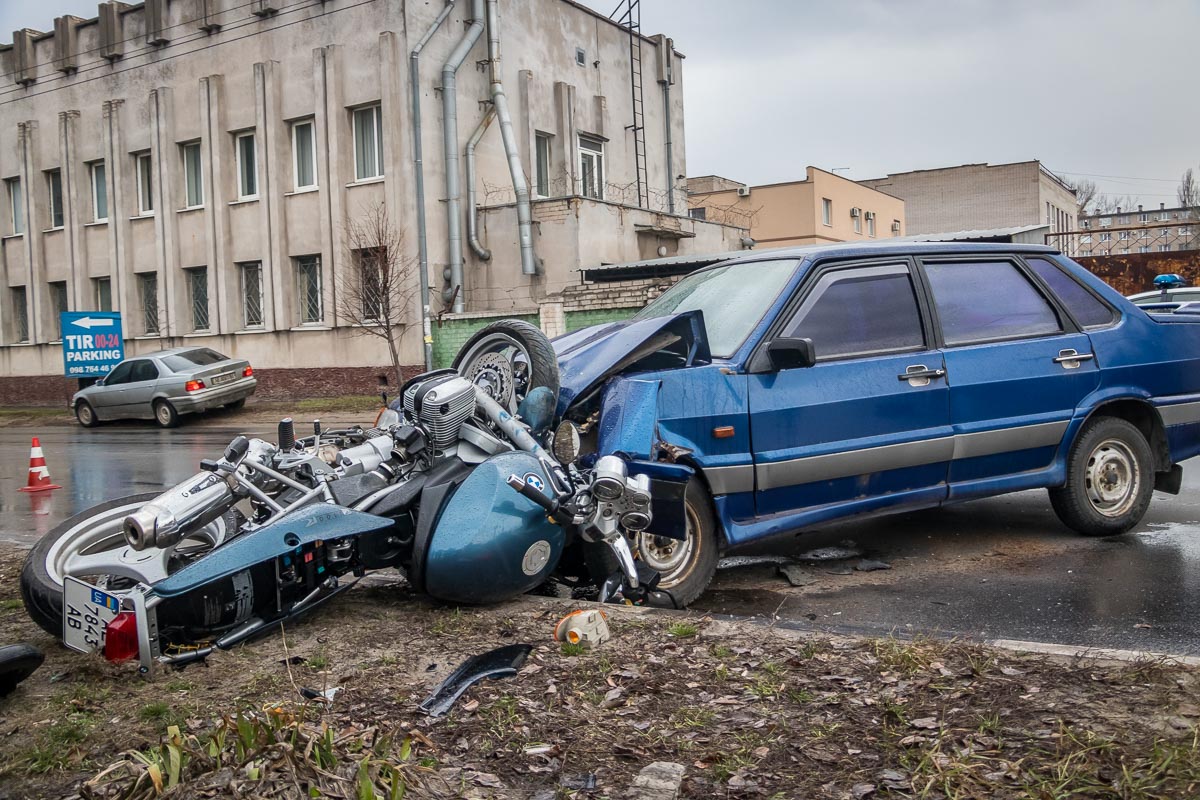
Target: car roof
{"type": "Point", "coordinates": [867, 249]}
{"type": "Point", "coordinates": [171, 351]}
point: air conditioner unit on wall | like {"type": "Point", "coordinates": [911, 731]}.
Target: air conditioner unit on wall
{"type": "Point", "coordinates": [743, 191]}
{"type": "Point", "coordinates": [856, 212]}
{"type": "Point", "coordinates": [896, 226]}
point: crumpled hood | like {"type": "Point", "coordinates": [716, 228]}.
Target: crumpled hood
{"type": "Point", "coordinates": [587, 357]}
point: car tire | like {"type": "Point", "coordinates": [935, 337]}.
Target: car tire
{"type": "Point", "coordinates": [1110, 479]}
{"type": "Point", "coordinates": [86, 414]}
{"type": "Point", "coordinates": [236, 405]}
{"type": "Point", "coordinates": [165, 414]}
{"type": "Point", "coordinates": [684, 574]}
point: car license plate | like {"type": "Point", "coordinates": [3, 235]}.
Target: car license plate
{"type": "Point", "coordinates": [220, 379]}
{"type": "Point", "coordinates": [86, 614]}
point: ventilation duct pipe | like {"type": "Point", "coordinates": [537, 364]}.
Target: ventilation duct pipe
{"type": "Point", "coordinates": [472, 207]}
{"type": "Point", "coordinates": [414, 86]}
{"type": "Point", "coordinates": [515, 169]}
{"type": "Point", "coordinates": [454, 269]}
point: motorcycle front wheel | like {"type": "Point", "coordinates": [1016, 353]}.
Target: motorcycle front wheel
{"type": "Point", "coordinates": [91, 546]}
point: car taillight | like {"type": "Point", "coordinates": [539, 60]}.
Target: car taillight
{"type": "Point", "coordinates": [193, 386]}
{"type": "Point", "coordinates": [120, 638]}
{"type": "Point", "coordinates": [248, 371]}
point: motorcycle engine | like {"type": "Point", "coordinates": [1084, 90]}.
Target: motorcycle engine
{"type": "Point", "coordinates": [441, 405]}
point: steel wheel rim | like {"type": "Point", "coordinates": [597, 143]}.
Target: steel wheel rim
{"type": "Point", "coordinates": [85, 414]}
{"type": "Point", "coordinates": [671, 558]}
{"type": "Point", "coordinates": [102, 533]}
{"type": "Point", "coordinates": [488, 379]}
{"type": "Point", "coordinates": [163, 413]}
{"type": "Point", "coordinates": [1113, 480]}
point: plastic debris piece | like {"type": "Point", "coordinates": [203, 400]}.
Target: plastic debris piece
{"type": "Point", "coordinates": [17, 662]}
{"type": "Point", "coordinates": [503, 662]}
{"type": "Point", "coordinates": [870, 565]}
{"type": "Point", "coordinates": [797, 575]}
{"type": "Point", "coordinates": [588, 627]}
{"type": "Point", "coordinates": [324, 697]}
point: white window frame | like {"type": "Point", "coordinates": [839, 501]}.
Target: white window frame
{"type": "Point", "coordinates": [377, 132]}
{"type": "Point", "coordinates": [541, 156]}
{"type": "Point", "coordinates": [51, 174]}
{"type": "Point", "coordinates": [870, 223]}
{"type": "Point", "coordinates": [242, 174]}
{"type": "Point", "coordinates": [827, 212]}
{"type": "Point", "coordinates": [316, 262]}
{"type": "Point", "coordinates": [16, 205]}
{"type": "Point", "coordinates": [1104, 223]}
{"type": "Point", "coordinates": [97, 283]}
{"type": "Point", "coordinates": [587, 149]}
{"type": "Point", "coordinates": [184, 149]}
{"type": "Point", "coordinates": [311, 124]}
{"type": "Point", "coordinates": [97, 190]}
{"type": "Point", "coordinates": [144, 174]}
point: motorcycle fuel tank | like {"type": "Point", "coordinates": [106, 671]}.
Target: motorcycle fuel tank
{"type": "Point", "coordinates": [491, 543]}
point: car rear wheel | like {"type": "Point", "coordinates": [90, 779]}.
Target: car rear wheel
{"type": "Point", "coordinates": [165, 414]}
{"type": "Point", "coordinates": [85, 414]}
{"type": "Point", "coordinates": [1110, 479]}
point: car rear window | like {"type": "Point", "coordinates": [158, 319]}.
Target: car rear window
{"type": "Point", "coordinates": [981, 301]}
{"type": "Point", "coordinates": [1088, 310]}
{"type": "Point", "coordinates": [187, 361]}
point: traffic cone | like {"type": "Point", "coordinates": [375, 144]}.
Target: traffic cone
{"type": "Point", "coordinates": [39, 475]}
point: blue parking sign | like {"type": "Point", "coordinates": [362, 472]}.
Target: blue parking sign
{"type": "Point", "coordinates": [92, 343]}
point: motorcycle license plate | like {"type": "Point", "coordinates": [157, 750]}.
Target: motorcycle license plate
{"type": "Point", "coordinates": [86, 614]}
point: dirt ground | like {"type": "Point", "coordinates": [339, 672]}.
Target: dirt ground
{"type": "Point", "coordinates": [749, 711]}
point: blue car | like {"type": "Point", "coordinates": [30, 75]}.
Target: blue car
{"type": "Point", "coordinates": [790, 388]}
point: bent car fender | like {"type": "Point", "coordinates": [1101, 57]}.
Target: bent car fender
{"type": "Point", "coordinates": [629, 418]}
{"type": "Point", "coordinates": [314, 523]}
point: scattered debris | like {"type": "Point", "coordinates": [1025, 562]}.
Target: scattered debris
{"type": "Point", "coordinates": [17, 662]}
{"type": "Point", "coordinates": [325, 696]}
{"type": "Point", "coordinates": [870, 565]}
{"type": "Point", "coordinates": [587, 627]}
{"type": "Point", "coordinates": [585, 783]}
{"type": "Point", "coordinates": [796, 574]}
{"type": "Point", "coordinates": [839, 552]}
{"type": "Point", "coordinates": [657, 781]}
{"type": "Point", "coordinates": [503, 662]}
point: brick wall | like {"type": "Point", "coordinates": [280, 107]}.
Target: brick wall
{"type": "Point", "coordinates": [577, 320]}
{"type": "Point", "coordinates": [1135, 272]}
{"type": "Point", "coordinates": [453, 330]}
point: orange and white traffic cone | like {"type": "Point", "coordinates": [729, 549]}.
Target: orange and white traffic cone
{"type": "Point", "coordinates": [39, 475]}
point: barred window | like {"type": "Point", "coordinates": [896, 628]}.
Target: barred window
{"type": "Point", "coordinates": [252, 295]}
{"type": "Point", "coordinates": [370, 261]}
{"type": "Point", "coordinates": [58, 305]}
{"type": "Point", "coordinates": [148, 294]}
{"type": "Point", "coordinates": [308, 282]}
{"type": "Point", "coordinates": [198, 296]}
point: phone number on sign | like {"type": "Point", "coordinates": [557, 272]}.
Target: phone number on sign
{"type": "Point", "coordinates": [92, 370]}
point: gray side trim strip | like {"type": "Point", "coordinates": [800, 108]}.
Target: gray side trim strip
{"type": "Point", "coordinates": [1180, 413]}
{"type": "Point", "coordinates": [742, 478]}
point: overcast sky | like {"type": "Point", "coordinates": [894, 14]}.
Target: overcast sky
{"type": "Point", "coordinates": [1092, 89]}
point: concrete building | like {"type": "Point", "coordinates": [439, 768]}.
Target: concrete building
{"type": "Point", "coordinates": [982, 196]}
{"type": "Point", "coordinates": [198, 165]}
{"type": "Point", "coordinates": [1124, 231]}
{"type": "Point", "coordinates": [822, 208]}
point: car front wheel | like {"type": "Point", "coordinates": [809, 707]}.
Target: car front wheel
{"type": "Point", "coordinates": [85, 414]}
{"type": "Point", "coordinates": [165, 414]}
{"type": "Point", "coordinates": [1110, 479]}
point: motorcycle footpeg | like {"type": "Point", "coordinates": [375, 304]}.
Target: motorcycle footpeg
{"type": "Point", "coordinates": [646, 593]}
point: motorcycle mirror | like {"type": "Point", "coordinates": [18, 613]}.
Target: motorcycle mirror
{"type": "Point", "coordinates": [566, 442]}
{"type": "Point", "coordinates": [237, 450]}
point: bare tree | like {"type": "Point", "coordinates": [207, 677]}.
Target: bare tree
{"type": "Point", "coordinates": [1188, 193]}
{"type": "Point", "coordinates": [1086, 193]}
{"type": "Point", "coordinates": [376, 289]}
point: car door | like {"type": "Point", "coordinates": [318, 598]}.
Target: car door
{"type": "Point", "coordinates": [139, 391]}
{"type": "Point", "coordinates": [867, 425]}
{"type": "Point", "coordinates": [1016, 365]}
{"type": "Point", "coordinates": [107, 401]}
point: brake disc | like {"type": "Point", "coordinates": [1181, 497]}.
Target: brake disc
{"type": "Point", "coordinates": [493, 373]}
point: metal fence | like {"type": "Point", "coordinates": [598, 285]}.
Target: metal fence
{"type": "Point", "coordinates": [1104, 240]}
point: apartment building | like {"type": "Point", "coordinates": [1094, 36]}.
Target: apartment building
{"type": "Point", "coordinates": [1123, 231]}
{"type": "Point", "coordinates": [982, 197]}
{"type": "Point", "coordinates": [199, 165]}
{"type": "Point", "coordinates": [822, 208]}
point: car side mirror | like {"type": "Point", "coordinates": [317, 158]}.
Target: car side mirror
{"type": "Point", "coordinates": [99, 382]}
{"type": "Point", "coordinates": [789, 352]}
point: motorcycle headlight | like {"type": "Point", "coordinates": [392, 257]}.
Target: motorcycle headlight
{"type": "Point", "coordinates": [566, 443]}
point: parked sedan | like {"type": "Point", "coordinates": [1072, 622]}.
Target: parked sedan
{"type": "Point", "coordinates": [796, 387]}
{"type": "Point", "coordinates": [164, 385]}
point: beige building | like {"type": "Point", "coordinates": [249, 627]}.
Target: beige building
{"type": "Point", "coordinates": [822, 208]}
{"type": "Point", "coordinates": [197, 165]}
{"type": "Point", "coordinates": [982, 196]}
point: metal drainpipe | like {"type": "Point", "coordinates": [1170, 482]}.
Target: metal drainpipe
{"type": "Point", "coordinates": [670, 150]}
{"type": "Point", "coordinates": [515, 169]}
{"type": "Point", "coordinates": [472, 209]}
{"type": "Point", "coordinates": [450, 147]}
{"type": "Point", "coordinates": [414, 87]}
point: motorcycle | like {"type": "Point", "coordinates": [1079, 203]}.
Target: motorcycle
{"type": "Point", "coordinates": [463, 484]}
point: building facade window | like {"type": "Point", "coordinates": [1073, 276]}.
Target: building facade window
{"type": "Point", "coordinates": [871, 224]}
{"type": "Point", "coordinates": [1106, 237]}
{"type": "Point", "coordinates": [1104, 223]}
{"type": "Point", "coordinates": [856, 218]}
{"type": "Point", "coordinates": [16, 205]}
{"type": "Point", "coordinates": [368, 143]}
{"type": "Point", "coordinates": [58, 305]}
{"type": "Point", "coordinates": [103, 288]}
{"type": "Point", "coordinates": [700, 213]}
{"type": "Point", "coordinates": [304, 155]}
{"type": "Point", "coordinates": [148, 296]}
{"type": "Point", "coordinates": [20, 309]}
{"type": "Point", "coordinates": [369, 262]}
{"type": "Point", "coordinates": [54, 186]}
{"type": "Point", "coordinates": [1144, 249]}
{"type": "Point", "coordinates": [252, 294]}
{"type": "Point", "coordinates": [1164, 248]}
{"type": "Point", "coordinates": [895, 227]}
{"type": "Point", "coordinates": [308, 283]}
{"type": "Point", "coordinates": [1143, 217]}
{"type": "Point", "coordinates": [826, 211]}
{"type": "Point", "coordinates": [591, 167]}
{"type": "Point", "coordinates": [99, 191]}
{"type": "Point", "coordinates": [197, 282]}
{"type": "Point", "coordinates": [145, 183]}
{"type": "Point", "coordinates": [247, 166]}
{"type": "Point", "coordinates": [542, 182]}
{"type": "Point", "coordinates": [193, 176]}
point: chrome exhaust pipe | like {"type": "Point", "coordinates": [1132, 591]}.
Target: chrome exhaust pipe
{"type": "Point", "coordinates": [173, 515]}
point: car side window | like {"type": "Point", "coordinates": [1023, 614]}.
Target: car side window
{"type": "Point", "coordinates": [119, 374]}
{"type": "Point", "coordinates": [860, 311]}
{"type": "Point", "coordinates": [1089, 311]}
{"type": "Point", "coordinates": [983, 301]}
{"type": "Point", "coordinates": [143, 371]}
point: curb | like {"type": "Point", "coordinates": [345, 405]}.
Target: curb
{"type": "Point", "coordinates": [1091, 653]}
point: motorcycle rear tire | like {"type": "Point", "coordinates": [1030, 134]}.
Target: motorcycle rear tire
{"type": "Point", "coordinates": [543, 364]}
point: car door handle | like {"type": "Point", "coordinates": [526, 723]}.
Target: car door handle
{"type": "Point", "coordinates": [920, 375]}
{"type": "Point", "coordinates": [1070, 358]}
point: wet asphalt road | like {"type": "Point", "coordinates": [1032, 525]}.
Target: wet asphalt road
{"type": "Point", "coordinates": [1002, 568]}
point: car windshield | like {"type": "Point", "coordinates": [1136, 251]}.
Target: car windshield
{"type": "Point", "coordinates": [733, 299]}
{"type": "Point", "coordinates": [189, 360]}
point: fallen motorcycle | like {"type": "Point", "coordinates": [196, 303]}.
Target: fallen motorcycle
{"type": "Point", "coordinates": [463, 483]}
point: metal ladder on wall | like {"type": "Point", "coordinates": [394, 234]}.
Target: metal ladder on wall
{"type": "Point", "coordinates": [631, 19]}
